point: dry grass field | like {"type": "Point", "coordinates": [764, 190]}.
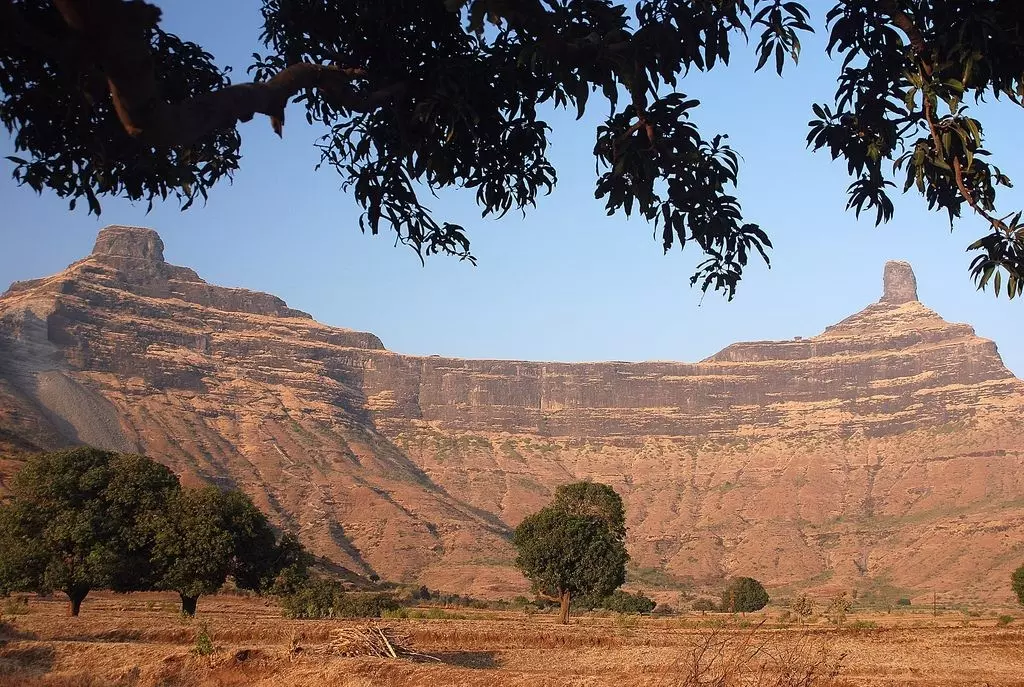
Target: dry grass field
{"type": "Point", "coordinates": [140, 640]}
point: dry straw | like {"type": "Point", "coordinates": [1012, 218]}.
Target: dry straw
{"type": "Point", "coordinates": [381, 641]}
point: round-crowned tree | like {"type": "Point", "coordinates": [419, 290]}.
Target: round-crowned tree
{"type": "Point", "coordinates": [743, 595]}
{"type": "Point", "coordinates": [575, 546]}
{"type": "Point", "coordinates": [83, 519]}
{"type": "Point", "coordinates": [208, 534]}
{"type": "Point", "coordinates": [1017, 583]}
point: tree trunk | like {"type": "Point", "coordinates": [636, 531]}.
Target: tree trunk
{"type": "Point", "coordinates": [563, 615]}
{"type": "Point", "coordinates": [188, 605]}
{"type": "Point", "coordinates": [75, 597]}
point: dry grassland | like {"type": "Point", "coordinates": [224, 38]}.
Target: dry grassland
{"type": "Point", "coordinates": [140, 641]}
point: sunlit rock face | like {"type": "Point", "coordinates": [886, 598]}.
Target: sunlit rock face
{"type": "Point", "coordinates": [882, 454]}
{"type": "Point", "coordinates": [899, 285]}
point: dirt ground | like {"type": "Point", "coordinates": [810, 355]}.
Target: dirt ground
{"type": "Point", "coordinates": [140, 640]}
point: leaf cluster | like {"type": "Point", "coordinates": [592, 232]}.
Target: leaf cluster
{"type": "Point", "coordinates": [908, 66]}
{"type": "Point", "coordinates": [744, 595]}
{"type": "Point", "coordinates": [80, 519]}
{"type": "Point", "coordinates": [576, 545]}
{"type": "Point", "coordinates": [322, 597]}
{"type": "Point", "coordinates": [453, 93]}
{"type": "Point", "coordinates": [67, 136]}
{"type": "Point", "coordinates": [87, 519]}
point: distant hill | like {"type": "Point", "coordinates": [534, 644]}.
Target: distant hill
{"type": "Point", "coordinates": [883, 455]}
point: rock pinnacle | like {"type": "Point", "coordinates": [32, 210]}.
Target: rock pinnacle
{"type": "Point", "coordinates": [899, 285]}
{"type": "Point", "coordinates": [129, 242]}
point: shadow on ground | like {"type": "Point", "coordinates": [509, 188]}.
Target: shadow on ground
{"type": "Point", "coordinates": [468, 659]}
{"type": "Point", "coordinates": [20, 662]}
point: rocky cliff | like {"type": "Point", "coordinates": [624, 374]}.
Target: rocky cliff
{"type": "Point", "coordinates": [880, 455]}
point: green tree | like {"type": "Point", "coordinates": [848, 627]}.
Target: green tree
{"type": "Point", "coordinates": [104, 102]}
{"type": "Point", "coordinates": [592, 500]}
{"type": "Point", "coordinates": [575, 552]}
{"type": "Point", "coordinates": [209, 534]}
{"type": "Point", "coordinates": [1017, 582]}
{"type": "Point", "coordinates": [82, 519]}
{"type": "Point", "coordinates": [743, 595]}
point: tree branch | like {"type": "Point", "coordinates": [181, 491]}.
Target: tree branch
{"type": "Point", "coordinates": [906, 24]}
{"type": "Point", "coordinates": [115, 34]}
{"type": "Point", "coordinates": [958, 173]}
{"type": "Point", "coordinates": [22, 32]}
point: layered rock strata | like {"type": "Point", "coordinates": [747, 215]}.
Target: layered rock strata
{"type": "Point", "coordinates": [881, 454]}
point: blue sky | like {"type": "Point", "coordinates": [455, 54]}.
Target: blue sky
{"type": "Point", "coordinates": [566, 282]}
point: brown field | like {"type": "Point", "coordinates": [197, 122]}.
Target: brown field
{"type": "Point", "coordinates": [140, 640]}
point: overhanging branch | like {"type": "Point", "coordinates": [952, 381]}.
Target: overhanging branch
{"type": "Point", "coordinates": [115, 35]}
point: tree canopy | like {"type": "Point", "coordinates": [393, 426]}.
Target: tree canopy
{"type": "Point", "coordinates": [579, 551]}
{"type": "Point", "coordinates": [744, 595]}
{"type": "Point", "coordinates": [86, 519]}
{"type": "Point", "coordinates": [82, 519]}
{"type": "Point", "coordinates": [420, 95]}
{"type": "Point", "coordinates": [209, 534]}
{"type": "Point", "coordinates": [1017, 583]}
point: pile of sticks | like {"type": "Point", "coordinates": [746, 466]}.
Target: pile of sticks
{"type": "Point", "coordinates": [371, 640]}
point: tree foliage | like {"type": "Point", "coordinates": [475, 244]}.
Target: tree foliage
{"type": "Point", "coordinates": [86, 519]}
{"type": "Point", "coordinates": [421, 95]}
{"type": "Point", "coordinates": [209, 534]}
{"type": "Point", "coordinates": [82, 519]}
{"type": "Point", "coordinates": [1017, 583]}
{"type": "Point", "coordinates": [744, 595]}
{"type": "Point", "coordinates": [592, 500]}
{"type": "Point", "coordinates": [574, 547]}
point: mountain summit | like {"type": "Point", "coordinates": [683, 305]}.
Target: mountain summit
{"type": "Point", "coordinates": [882, 454]}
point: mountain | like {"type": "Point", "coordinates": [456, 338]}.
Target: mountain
{"type": "Point", "coordinates": [882, 455]}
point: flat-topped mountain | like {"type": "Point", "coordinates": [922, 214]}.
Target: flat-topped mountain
{"type": "Point", "coordinates": [880, 455]}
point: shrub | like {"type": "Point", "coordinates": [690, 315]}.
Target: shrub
{"type": "Point", "coordinates": [704, 605]}
{"type": "Point", "coordinates": [624, 602]}
{"type": "Point", "coordinates": [1004, 620]}
{"type": "Point", "coordinates": [803, 606]}
{"type": "Point", "coordinates": [204, 642]}
{"type": "Point", "coordinates": [838, 607]}
{"type": "Point", "coordinates": [15, 605]}
{"type": "Point", "coordinates": [903, 602]}
{"type": "Point", "coordinates": [325, 598]}
{"type": "Point", "coordinates": [1017, 583]}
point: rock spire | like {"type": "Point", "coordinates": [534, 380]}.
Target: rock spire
{"type": "Point", "coordinates": [899, 285]}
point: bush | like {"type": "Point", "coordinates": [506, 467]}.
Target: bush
{"type": "Point", "coordinates": [838, 607]}
{"type": "Point", "coordinates": [1004, 620]}
{"type": "Point", "coordinates": [624, 602]}
{"type": "Point", "coordinates": [15, 605]}
{"type": "Point", "coordinates": [803, 606]}
{"type": "Point", "coordinates": [325, 598]}
{"type": "Point", "coordinates": [903, 602]}
{"type": "Point", "coordinates": [204, 642]}
{"type": "Point", "coordinates": [1017, 583]}
{"type": "Point", "coordinates": [703, 605]}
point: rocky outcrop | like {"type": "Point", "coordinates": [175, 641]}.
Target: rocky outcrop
{"type": "Point", "coordinates": [881, 454]}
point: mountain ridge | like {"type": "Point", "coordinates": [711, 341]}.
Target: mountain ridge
{"type": "Point", "coordinates": [810, 463]}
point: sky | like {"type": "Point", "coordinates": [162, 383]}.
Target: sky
{"type": "Point", "coordinates": [565, 282]}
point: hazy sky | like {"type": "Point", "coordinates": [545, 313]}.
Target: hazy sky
{"type": "Point", "coordinates": [566, 282]}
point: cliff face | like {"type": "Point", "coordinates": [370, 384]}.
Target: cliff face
{"type": "Point", "coordinates": [881, 454]}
